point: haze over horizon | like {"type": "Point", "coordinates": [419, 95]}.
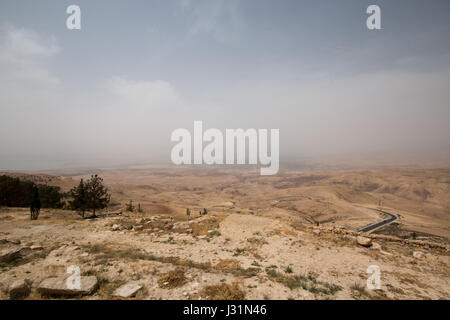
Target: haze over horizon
{"type": "Point", "coordinates": [112, 92]}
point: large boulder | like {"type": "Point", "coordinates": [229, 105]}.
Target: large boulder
{"type": "Point", "coordinates": [58, 286]}
{"type": "Point", "coordinates": [363, 241]}
{"type": "Point", "coordinates": [128, 290]}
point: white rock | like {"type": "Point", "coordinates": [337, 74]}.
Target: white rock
{"type": "Point", "coordinates": [128, 290]}
{"type": "Point", "coordinates": [363, 241]}
{"type": "Point", "coordinates": [58, 286]}
{"type": "Point", "coordinates": [36, 248]}
{"type": "Point", "coordinates": [115, 227]}
{"type": "Point", "coordinates": [316, 232]}
{"type": "Point", "coordinates": [418, 254]}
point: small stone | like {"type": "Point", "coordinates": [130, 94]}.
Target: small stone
{"type": "Point", "coordinates": [376, 246]}
{"type": "Point", "coordinates": [115, 227]}
{"type": "Point", "coordinates": [316, 232]}
{"type": "Point", "coordinates": [363, 241]}
{"type": "Point", "coordinates": [128, 290]}
{"type": "Point", "coordinates": [418, 254]}
{"type": "Point", "coordinates": [36, 248]}
{"type": "Point", "coordinates": [138, 228]}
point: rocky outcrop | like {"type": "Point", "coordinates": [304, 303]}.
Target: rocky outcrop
{"type": "Point", "coordinates": [58, 286]}
{"type": "Point", "coordinates": [20, 289]}
{"type": "Point", "coordinates": [8, 255]}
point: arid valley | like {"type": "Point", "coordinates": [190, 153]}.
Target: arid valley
{"type": "Point", "coordinates": [295, 235]}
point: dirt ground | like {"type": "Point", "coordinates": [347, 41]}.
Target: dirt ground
{"type": "Point", "coordinates": [263, 237]}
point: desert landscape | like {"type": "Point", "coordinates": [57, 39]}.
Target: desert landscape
{"type": "Point", "coordinates": [296, 235]}
{"type": "Point", "coordinates": [220, 158]}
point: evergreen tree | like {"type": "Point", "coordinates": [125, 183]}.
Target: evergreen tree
{"type": "Point", "coordinates": [79, 198]}
{"type": "Point", "coordinates": [129, 206]}
{"type": "Point", "coordinates": [97, 194]}
{"type": "Point", "coordinates": [35, 206]}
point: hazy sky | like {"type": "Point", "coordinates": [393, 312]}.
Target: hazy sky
{"type": "Point", "coordinates": [112, 92]}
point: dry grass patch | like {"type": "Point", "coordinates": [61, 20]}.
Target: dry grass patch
{"type": "Point", "coordinates": [172, 279]}
{"type": "Point", "coordinates": [223, 291]}
{"type": "Point", "coordinates": [228, 264]}
{"type": "Point", "coordinates": [201, 227]}
{"type": "Point", "coordinates": [306, 282]}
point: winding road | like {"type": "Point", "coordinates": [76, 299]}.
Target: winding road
{"type": "Point", "coordinates": [369, 228]}
{"type": "Point", "coordinates": [374, 226]}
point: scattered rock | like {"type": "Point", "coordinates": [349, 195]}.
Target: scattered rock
{"type": "Point", "coordinates": [316, 232]}
{"type": "Point", "coordinates": [58, 286]}
{"type": "Point", "coordinates": [128, 290]}
{"type": "Point", "coordinates": [376, 246]}
{"type": "Point", "coordinates": [418, 254]}
{"type": "Point", "coordinates": [363, 241]}
{"type": "Point", "coordinates": [20, 289]}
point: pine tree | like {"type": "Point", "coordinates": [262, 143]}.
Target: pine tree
{"type": "Point", "coordinates": [97, 194]}
{"type": "Point", "coordinates": [129, 206]}
{"type": "Point", "coordinates": [79, 202]}
{"type": "Point", "coordinates": [188, 213]}
{"type": "Point", "coordinates": [35, 206]}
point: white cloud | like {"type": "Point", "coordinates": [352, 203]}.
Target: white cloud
{"type": "Point", "coordinates": [22, 58]}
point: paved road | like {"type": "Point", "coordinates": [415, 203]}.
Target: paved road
{"type": "Point", "coordinates": [374, 226]}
